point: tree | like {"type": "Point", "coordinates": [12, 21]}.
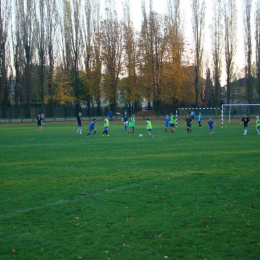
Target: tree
{"type": "Point", "coordinates": [51, 31]}
{"type": "Point", "coordinates": [209, 97]}
{"type": "Point", "coordinates": [198, 23]}
{"type": "Point", "coordinates": [257, 47]}
{"type": "Point", "coordinates": [217, 43]}
{"type": "Point", "coordinates": [230, 31]}
{"type": "Point", "coordinates": [152, 45]}
{"type": "Point", "coordinates": [17, 57]}
{"type": "Point", "coordinates": [112, 49]}
{"type": "Point", "coordinates": [4, 88]}
{"type": "Point", "coordinates": [128, 86]}
{"type": "Point", "coordinates": [72, 16]}
{"type": "Point", "coordinates": [27, 11]}
{"type": "Point", "coordinates": [248, 49]}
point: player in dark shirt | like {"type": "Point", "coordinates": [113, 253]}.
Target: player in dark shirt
{"type": "Point", "coordinates": [39, 123]}
{"type": "Point", "coordinates": [79, 122]}
{"type": "Point", "coordinates": [246, 120]}
{"type": "Point", "coordinates": [188, 123]}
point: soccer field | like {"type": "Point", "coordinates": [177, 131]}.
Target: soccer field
{"type": "Point", "coordinates": [174, 196]}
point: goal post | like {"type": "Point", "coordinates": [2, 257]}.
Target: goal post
{"type": "Point", "coordinates": [230, 110]}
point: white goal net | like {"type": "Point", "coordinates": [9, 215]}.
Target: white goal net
{"type": "Point", "coordinates": [230, 111]}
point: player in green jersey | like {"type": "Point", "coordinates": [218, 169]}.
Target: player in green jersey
{"type": "Point", "coordinates": [106, 125]}
{"type": "Point", "coordinates": [149, 127]}
{"type": "Point", "coordinates": [132, 124]}
{"type": "Point", "coordinates": [172, 123]}
{"type": "Point", "coordinates": [257, 122]}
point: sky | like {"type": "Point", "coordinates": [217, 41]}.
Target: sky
{"type": "Point", "coordinates": [160, 6]}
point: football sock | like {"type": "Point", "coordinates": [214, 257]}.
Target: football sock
{"type": "Point", "coordinates": [80, 131]}
{"type": "Point", "coordinates": [88, 134]}
{"type": "Point", "coordinates": [257, 131]}
{"type": "Point", "coordinates": [125, 127]}
{"type": "Point", "coordinates": [245, 132]}
{"type": "Point", "coordinates": [95, 132]}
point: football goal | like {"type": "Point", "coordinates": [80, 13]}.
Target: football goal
{"type": "Point", "coordinates": [229, 111]}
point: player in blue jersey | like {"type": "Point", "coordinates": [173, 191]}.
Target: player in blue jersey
{"type": "Point", "coordinates": [211, 124]}
{"type": "Point", "coordinates": [167, 120]}
{"type": "Point", "coordinates": [199, 120]}
{"type": "Point", "coordinates": [92, 127]}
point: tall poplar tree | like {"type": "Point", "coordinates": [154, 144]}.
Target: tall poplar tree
{"type": "Point", "coordinates": [111, 32]}
{"type": "Point", "coordinates": [198, 24]}
{"type": "Point", "coordinates": [4, 88]}
{"type": "Point", "coordinates": [248, 49]}
{"type": "Point", "coordinates": [230, 32]}
{"type": "Point", "coordinates": [217, 43]}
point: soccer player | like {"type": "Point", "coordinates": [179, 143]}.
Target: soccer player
{"type": "Point", "coordinates": [188, 123]}
{"type": "Point", "coordinates": [172, 123]}
{"type": "Point", "coordinates": [199, 120]}
{"type": "Point", "coordinates": [149, 127]}
{"type": "Point", "coordinates": [79, 122]}
{"type": "Point", "coordinates": [257, 125]}
{"type": "Point", "coordinates": [106, 125]}
{"type": "Point", "coordinates": [42, 117]}
{"type": "Point", "coordinates": [125, 119]}
{"type": "Point", "coordinates": [192, 114]}
{"type": "Point", "coordinates": [132, 124]}
{"type": "Point", "coordinates": [211, 126]}
{"type": "Point", "coordinates": [246, 120]}
{"type": "Point", "coordinates": [39, 123]}
{"type": "Point", "coordinates": [92, 127]}
{"type": "Point", "coordinates": [166, 120]}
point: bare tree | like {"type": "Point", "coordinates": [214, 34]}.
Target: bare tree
{"type": "Point", "coordinates": [217, 43]}
{"type": "Point", "coordinates": [41, 21]}
{"type": "Point", "coordinates": [28, 12]}
{"type": "Point", "coordinates": [17, 57]}
{"type": "Point", "coordinates": [198, 24]}
{"type": "Point", "coordinates": [129, 88]}
{"type": "Point", "coordinates": [257, 46]}
{"type": "Point", "coordinates": [152, 43]}
{"type": "Point", "coordinates": [248, 48]}
{"type": "Point", "coordinates": [112, 50]}
{"type": "Point", "coordinates": [230, 32]}
{"type": "Point", "coordinates": [4, 89]}
{"type": "Point", "coordinates": [51, 39]}
{"type": "Point", "coordinates": [72, 20]}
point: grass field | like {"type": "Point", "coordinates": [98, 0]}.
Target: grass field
{"type": "Point", "coordinates": [176, 196]}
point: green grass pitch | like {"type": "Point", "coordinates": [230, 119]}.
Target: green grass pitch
{"type": "Point", "coordinates": [176, 196]}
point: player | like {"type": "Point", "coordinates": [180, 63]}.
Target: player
{"type": "Point", "coordinates": [39, 123]}
{"type": "Point", "coordinates": [172, 123]}
{"type": "Point", "coordinates": [106, 125]}
{"type": "Point", "coordinates": [92, 127]}
{"type": "Point", "coordinates": [246, 120]}
{"type": "Point", "coordinates": [166, 120]}
{"type": "Point", "coordinates": [257, 125]}
{"type": "Point", "coordinates": [149, 127]}
{"type": "Point", "coordinates": [199, 120]}
{"type": "Point", "coordinates": [188, 123]}
{"type": "Point", "coordinates": [211, 124]}
{"type": "Point", "coordinates": [192, 114]}
{"type": "Point", "coordinates": [125, 119]}
{"type": "Point", "coordinates": [79, 122]}
{"type": "Point", "coordinates": [42, 117]}
{"type": "Point", "coordinates": [132, 124]}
